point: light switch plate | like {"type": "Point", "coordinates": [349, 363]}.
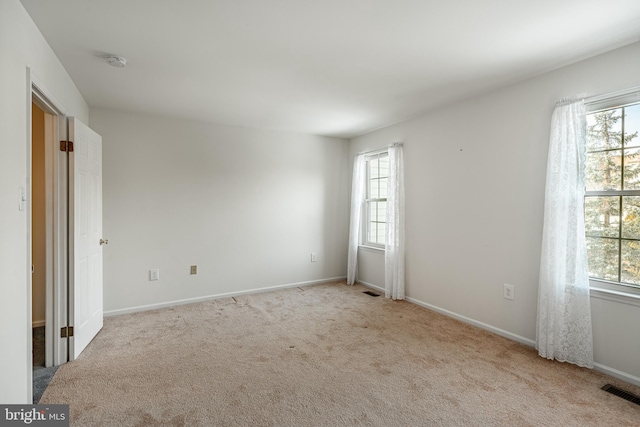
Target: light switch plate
{"type": "Point", "coordinates": [22, 199]}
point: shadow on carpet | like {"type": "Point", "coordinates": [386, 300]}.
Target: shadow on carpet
{"type": "Point", "coordinates": [41, 378]}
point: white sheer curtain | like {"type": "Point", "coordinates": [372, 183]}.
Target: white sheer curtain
{"type": "Point", "coordinates": [394, 247]}
{"type": "Point", "coordinates": [357, 200]}
{"type": "Point", "coordinates": [563, 330]}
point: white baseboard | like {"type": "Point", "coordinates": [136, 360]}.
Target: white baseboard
{"type": "Point", "coordinates": [371, 285]}
{"type": "Point", "coordinates": [217, 296]}
{"type": "Point", "coordinates": [481, 325]}
{"type": "Point", "coordinates": [632, 379]}
{"type": "Point", "coordinates": [624, 376]}
{"type": "Point", "coordinates": [38, 323]}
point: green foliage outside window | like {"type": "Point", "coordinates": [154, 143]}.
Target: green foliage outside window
{"type": "Point", "coordinates": [612, 202]}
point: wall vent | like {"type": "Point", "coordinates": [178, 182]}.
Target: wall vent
{"type": "Point", "coordinates": [621, 393]}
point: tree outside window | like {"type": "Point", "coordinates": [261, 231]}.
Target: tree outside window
{"type": "Point", "coordinates": [612, 202]}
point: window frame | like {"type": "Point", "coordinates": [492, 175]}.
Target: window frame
{"type": "Point", "coordinates": [607, 289]}
{"type": "Point", "coordinates": [368, 200]}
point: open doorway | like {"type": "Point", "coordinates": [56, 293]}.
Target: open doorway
{"type": "Point", "coordinates": [47, 239]}
{"type": "Point", "coordinates": [43, 131]}
{"type": "Point", "coordinates": [64, 235]}
{"type": "Point", "coordinates": [38, 236]}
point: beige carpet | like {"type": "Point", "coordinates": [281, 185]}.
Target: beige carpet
{"type": "Point", "coordinates": [326, 355]}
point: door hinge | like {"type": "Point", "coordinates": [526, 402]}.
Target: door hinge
{"type": "Point", "coordinates": [66, 332]}
{"type": "Point", "coordinates": [66, 146]}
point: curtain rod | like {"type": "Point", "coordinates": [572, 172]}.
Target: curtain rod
{"type": "Point", "coordinates": [380, 150]}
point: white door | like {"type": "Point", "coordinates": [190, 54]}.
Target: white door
{"type": "Point", "coordinates": [85, 228]}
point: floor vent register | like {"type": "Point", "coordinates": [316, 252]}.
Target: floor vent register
{"type": "Point", "coordinates": [372, 294]}
{"type": "Point", "coordinates": [621, 393]}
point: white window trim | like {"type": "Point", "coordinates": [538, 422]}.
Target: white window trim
{"type": "Point", "coordinates": [374, 249]}
{"type": "Point", "coordinates": [603, 289]}
{"type": "Point", "coordinates": [597, 291]}
{"type": "Point", "coordinates": [612, 100]}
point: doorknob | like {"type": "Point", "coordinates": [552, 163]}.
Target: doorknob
{"type": "Point", "coordinates": [104, 242]}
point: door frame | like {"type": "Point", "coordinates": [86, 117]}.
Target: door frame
{"type": "Point", "coordinates": [56, 166]}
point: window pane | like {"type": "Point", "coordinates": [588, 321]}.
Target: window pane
{"type": "Point", "coordinates": [630, 266]}
{"type": "Point", "coordinates": [612, 223]}
{"type": "Point", "coordinates": [378, 169]}
{"type": "Point", "coordinates": [377, 218]}
{"type": "Point", "coordinates": [374, 189]}
{"type": "Point", "coordinates": [603, 170]}
{"type": "Point", "coordinates": [373, 171]}
{"type": "Point", "coordinates": [632, 169]}
{"type": "Point", "coordinates": [631, 217]}
{"type": "Point", "coordinates": [603, 258]}
{"type": "Point", "coordinates": [377, 211]}
{"type": "Point", "coordinates": [383, 187]}
{"type": "Point", "coordinates": [374, 232]}
{"type": "Point", "coordinates": [382, 228]}
{"type": "Point", "coordinates": [382, 211]}
{"type": "Point", "coordinates": [373, 236]}
{"type": "Point", "coordinates": [604, 130]}
{"type": "Point", "coordinates": [631, 125]}
{"type": "Point", "coordinates": [384, 166]}
{"type": "Point", "coordinates": [602, 216]}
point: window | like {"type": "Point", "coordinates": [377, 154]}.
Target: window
{"type": "Point", "coordinates": [612, 198]}
{"type": "Point", "coordinates": [376, 199]}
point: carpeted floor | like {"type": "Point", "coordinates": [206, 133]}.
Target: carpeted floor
{"type": "Point", "coordinates": [41, 379]}
{"type": "Point", "coordinates": [327, 355]}
{"type": "Point", "coordinates": [41, 376]}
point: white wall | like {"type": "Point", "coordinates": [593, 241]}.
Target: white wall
{"type": "Point", "coordinates": [475, 176]}
{"type": "Point", "coordinates": [246, 206]}
{"type": "Point", "coordinates": [21, 46]}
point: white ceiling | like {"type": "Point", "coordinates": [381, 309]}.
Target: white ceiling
{"type": "Point", "coordinates": [328, 67]}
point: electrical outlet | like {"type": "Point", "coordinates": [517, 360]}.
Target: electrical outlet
{"type": "Point", "coordinates": [314, 257]}
{"type": "Point", "coordinates": [509, 292]}
{"type": "Point", "coordinates": [194, 269]}
{"type": "Point", "coordinates": [154, 274]}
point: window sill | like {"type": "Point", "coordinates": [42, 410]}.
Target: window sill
{"type": "Point", "coordinates": [615, 296]}
{"type": "Point", "coordinates": [373, 249]}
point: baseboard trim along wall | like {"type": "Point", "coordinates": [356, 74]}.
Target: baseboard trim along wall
{"type": "Point", "coordinates": [218, 296]}
{"type": "Point", "coordinates": [464, 319]}
{"type": "Point", "coordinates": [37, 323]}
{"type": "Point", "coordinates": [632, 379]}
